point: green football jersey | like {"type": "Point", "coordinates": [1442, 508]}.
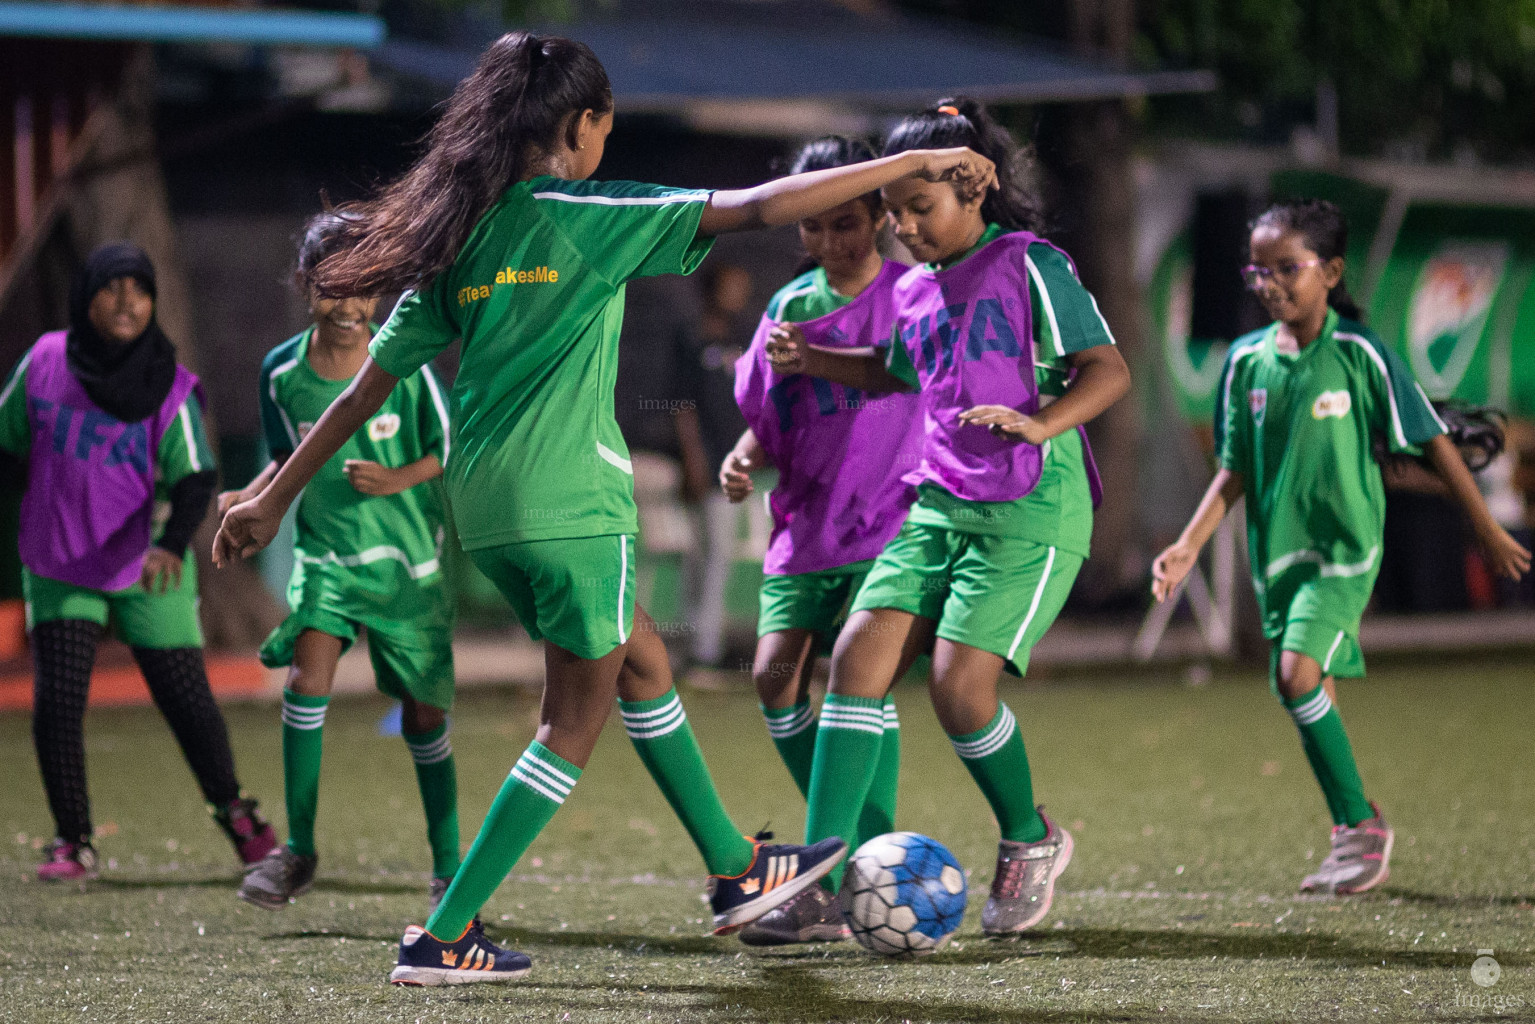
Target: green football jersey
{"type": "Point", "coordinates": [806, 297]}
{"type": "Point", "coordinates": [1300, 427]}
{"type": "Point", "coordinates": [1058, 512]}
{"type": "Point", "coordinates": [536, 296]}
{"type": "Point", "coordinates": [373, 538]}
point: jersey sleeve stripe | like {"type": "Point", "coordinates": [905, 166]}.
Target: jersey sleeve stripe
{"type": "Point", "coordinates": [190, 437]}
{"type": "Point", "coordinates": [441, 407]}
{"type": "Point", "coordinates": [685, 197]}
{"type": "Point", "coordinates": [1044, 299]}
{"type": "Point", "coordinates": [1231, 369]}
{"type": "Point", "coordinates": [1380, 364]}
{"type": "Point", "coordinates": [278, 371]}
{"type": "Point", "coordinates": [16, 375]}
{"type": "Point", "coordinates": [1443, 428]}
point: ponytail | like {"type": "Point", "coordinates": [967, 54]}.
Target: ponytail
{"type": "Point", "coordinates": [1325, 230]}
{"type": "Point", "coordinates": [505, 114]}
{"type": "Point", "coordinates": [961, 121]}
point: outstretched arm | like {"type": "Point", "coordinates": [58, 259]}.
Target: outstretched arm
{"type": "Point", "coordinates": [251, 525]}
{"type": "Point", "coordinates": [1506, 556]}
{"type": "Point", "coordinates": [1172, 565]}
{"type": "Point", "coordinates": [797, 196]}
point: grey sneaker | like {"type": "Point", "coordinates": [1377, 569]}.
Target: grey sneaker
{"type": "Point", "coordinates": [1024, 883]}
{"type": "Point", "coordinates": [277, 878]}
{"type": "Point", "coordinates": [434, 894]}
{"type": "Point", "coordinates": [812, 916]}
{"type": "Point", "coordinates": [1360, 858]}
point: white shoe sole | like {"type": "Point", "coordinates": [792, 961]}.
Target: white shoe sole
{"type": "Point", "coordinates": [433, 976]}
{"type": "Point", "coordinates": [739, 917]}
{"type": "Point", "coordinates": [1044, 908]}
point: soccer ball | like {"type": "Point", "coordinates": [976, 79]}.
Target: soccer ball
{"type": "Point", "coordinates": [907, 894]}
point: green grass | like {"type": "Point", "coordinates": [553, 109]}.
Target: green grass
{"type": "Point", "coordinates": [1194, 812]}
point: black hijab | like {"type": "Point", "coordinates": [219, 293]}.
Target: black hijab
{"type": "Point", "coordinates": [129, 381]}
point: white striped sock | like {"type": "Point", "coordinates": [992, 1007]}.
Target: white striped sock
{"type": "Point", "coordinates": [852, 716]}
{"type": "Point", "coordinates": [541, 777]}
{"type": "Point", "coordinates": [992, 740]}
{"type": "Point", "coordinates": [300, 716]}
{"type": "Point", "coordinates": [655, 723]}
{"type": "Point", "coordinates": [782, 726]}
{"type": "Point", "coordinates": [892, 720]}
{"type": "Point", "coordinates": [436, 751]}
{"type": "Point", "coordinates": [1314, 710]}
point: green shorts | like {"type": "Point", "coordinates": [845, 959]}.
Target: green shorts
{"type": "Point", "coordinates": [575, 592]}
{"type": "Point", "coordinates": [998, 594]}
{"type": "Point", "coordinates": [409, 624]}
{"type": "Point", "coordinates": [816, 601]}
{"type": "Point", "coordinates": [1318, 617]}
{"type": "Point", "coordinates": [159, 622]}
{"type": "Point", "coordinates": [1333, 647]}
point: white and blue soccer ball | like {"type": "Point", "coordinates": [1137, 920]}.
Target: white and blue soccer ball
{"type": "Point", "coordinates": [906, 892]}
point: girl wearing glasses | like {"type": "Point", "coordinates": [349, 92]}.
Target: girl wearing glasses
{"type": "Point", "coordinates": [1299, 405]}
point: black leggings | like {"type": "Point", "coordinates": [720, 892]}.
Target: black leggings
{"type": "Point", "coordinates": [63, 652]}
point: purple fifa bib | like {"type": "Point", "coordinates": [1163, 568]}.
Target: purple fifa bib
{"type": "Point", "coordinates": [86, 515]}
{"type": "Point", "coordinates": [840, 453]}
{"type": "Point", "coordinates": [969, 333]}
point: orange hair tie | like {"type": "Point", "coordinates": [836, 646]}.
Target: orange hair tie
{"type": "Point", "coordinates": [951, 111]}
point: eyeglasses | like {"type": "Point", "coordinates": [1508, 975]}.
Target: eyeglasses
{"type": "Point", "coordinates": [1255, 277]}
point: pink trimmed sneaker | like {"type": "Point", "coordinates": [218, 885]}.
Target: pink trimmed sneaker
{"type": "Point", "coordinates": [1360, 858]}
{"type": "Point", "coordinates": [67, 862]}
{"type": "Point", "coordinates": [252, 836]}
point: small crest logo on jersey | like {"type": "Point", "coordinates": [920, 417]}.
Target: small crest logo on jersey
{"type": "Point", "coordinates": [382, 428]}
{"type": "Point", "coordinates": [1258, 401]}
{"type": "Point", "coordinates": [1331, 403]}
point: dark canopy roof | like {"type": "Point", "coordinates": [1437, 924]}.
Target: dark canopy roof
{"type": "Point", "coordinates": [661, 54]}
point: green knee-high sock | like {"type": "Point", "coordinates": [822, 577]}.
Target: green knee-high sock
{"type": "Point", "coordinates": [540, 781]}
{"type": "Point", "coordinates": [303, 721]}
{"type": "Point", "coordinates": [663, 738]}
{"type": "Point", "coordinates": [1000, 766]}
{"type": "Point", "coordinates": [793, 732]}
{"type": "Point", "coordinates": [878, 814]}
{"type": "Point", "coordinates": [438, 779]}
{"type": "Point", "coordinates": [1332, 757]}
{"type": "Point", "coordinates": [847, 754]}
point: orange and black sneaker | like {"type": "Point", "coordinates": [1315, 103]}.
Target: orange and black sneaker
{"type": "Point", "coordinates": [467, 960]}
{"type": "Point", "coordinates": [778, 873]}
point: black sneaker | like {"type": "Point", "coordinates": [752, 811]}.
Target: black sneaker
{"type": "Point", "coordinates": [815, 915]}
{"type": "Point", "coordinates": [277, 878]}
{"type": "Point", "coordinates": [777, 874]}
{"type": "Point", "coordinates": [469, 959]}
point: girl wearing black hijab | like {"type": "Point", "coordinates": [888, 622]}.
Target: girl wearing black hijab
{"type": "Point", "coordinates": [109, 425]}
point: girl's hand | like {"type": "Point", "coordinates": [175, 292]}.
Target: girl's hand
{"type": "Point", "coordinates": [247, 528]}
{"type": "Point", "coordinates": [973, 173]}
{"type": "Point", "coordinates": [787, 349]}
{"type": "Point", "coordinates": [229, 499]}
{"type": "Point", "coordinates": [1170, 568]}
{"type": "Point", "coordinates": [735, 476]}
{"type": "Point", "coordinates": [161, 573]}
{"type": "Point", "coordinates": [1505, 556]}
{"type": "Point", "coordinates": [1006, 422]}
{"type": "Point", "coordinates": [374, 479]}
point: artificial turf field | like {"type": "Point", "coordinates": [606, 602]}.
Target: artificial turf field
{"type": "Point", "coordinates": [1194, 812]}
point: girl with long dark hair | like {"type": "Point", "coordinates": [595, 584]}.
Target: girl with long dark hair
{"type": "Point", "coordinates": [840, 456]}
{"type": "Point", "coordinates": [109, 424]}
{"type": "Point", "coordinates": [1010, 358]}
{"type": "Point", "coordinates": [504, 243]}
